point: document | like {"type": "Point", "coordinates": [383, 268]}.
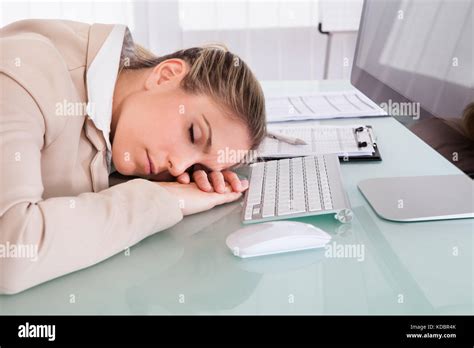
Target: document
{"type": "Point", "coordinates": [342, 140]}
{"type": "Point", "coordinates": [341, 104]}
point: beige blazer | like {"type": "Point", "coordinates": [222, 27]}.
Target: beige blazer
{"type": "Point", "coordinates": [55, 194]}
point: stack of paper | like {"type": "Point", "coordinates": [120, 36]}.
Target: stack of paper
{"type": "Point", "coordinates": [321, 106]}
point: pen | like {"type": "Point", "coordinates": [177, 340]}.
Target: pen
{"type": "Point", "coordinates": [286, 139]}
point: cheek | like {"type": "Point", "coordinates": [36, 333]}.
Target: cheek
{"type": "Point", "coordinates": [147, 122]}
{"type": "Point", "coordinates": [133, 123]}
{"type": "Point", "coordinates": [133, 129]}
{"type": "Point", "coordinates": [167, 135]}
{"type": "Point", "coordinates": [139, 121]}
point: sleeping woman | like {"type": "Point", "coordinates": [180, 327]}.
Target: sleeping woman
{"type": "Point", "coordinates": [103, 143]}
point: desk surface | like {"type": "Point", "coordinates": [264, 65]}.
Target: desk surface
{"type": "Point", "coordinates": [406, 268]}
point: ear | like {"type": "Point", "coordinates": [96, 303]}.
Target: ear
{"type": "Point", "coordinates": [170, 71]}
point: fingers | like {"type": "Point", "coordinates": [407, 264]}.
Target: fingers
{"type": "Point", "coordinates": [234, 180]}
{"type": "Point", "coordinates": [184, 178]}
{"type": "Point", "coordinates": [217, 179]}
{"type": "Point", "coordinates": [201, 180]}
{"type": "Point", "coordinates": [222, 198]}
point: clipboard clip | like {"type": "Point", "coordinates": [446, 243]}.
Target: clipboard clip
{"type": "Point", "coordinates": [356, 132]}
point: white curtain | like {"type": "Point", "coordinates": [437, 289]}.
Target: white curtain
{"type": "Point", "coordinates": [279, 39]}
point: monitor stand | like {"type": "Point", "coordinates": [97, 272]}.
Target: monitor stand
{"type": "Point", "coordinates": [420, 198]}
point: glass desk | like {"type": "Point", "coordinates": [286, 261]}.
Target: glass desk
{"type": "Point", "coordinates": [405, 268]}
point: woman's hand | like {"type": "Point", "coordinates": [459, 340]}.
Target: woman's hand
{"type": "Point", "coordinates": [193, 200]}
{"type": "Point", "coordinates": [214, 181]}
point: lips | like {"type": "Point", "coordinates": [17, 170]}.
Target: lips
{"type": "Point", "coordinates": [151, 167]}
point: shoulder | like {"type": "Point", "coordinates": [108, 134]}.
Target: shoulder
{"type": "Point", "coordinates": [39, 56]}
{"type": "Point", "coordinates": [47, 39]}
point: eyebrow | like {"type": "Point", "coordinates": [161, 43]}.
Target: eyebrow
{"type": "Point", "coordinates": [209, 138]}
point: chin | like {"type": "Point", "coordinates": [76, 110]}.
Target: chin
{"type": "Point", "coordinates": [124, 165]}
{"type": "Point", "coordinates": [123, 169]}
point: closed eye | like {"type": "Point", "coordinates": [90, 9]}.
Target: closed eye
{"type": "Point", "coordinates": [191, 133]}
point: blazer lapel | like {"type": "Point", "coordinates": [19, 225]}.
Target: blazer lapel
{"type": "Point", "coordinates": [97, 35]}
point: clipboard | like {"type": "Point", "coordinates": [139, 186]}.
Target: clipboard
{"type": "Point", "coordinates": [363, 134]}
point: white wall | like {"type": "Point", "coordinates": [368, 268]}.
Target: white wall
{"type": "Point", "coordinates": [279, 39]}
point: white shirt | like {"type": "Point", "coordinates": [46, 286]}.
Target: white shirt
{"type": "Point", "coordinates": [101, 77]}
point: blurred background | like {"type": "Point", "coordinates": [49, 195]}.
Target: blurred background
{"type": "Point", "coordinates": [280, 40]}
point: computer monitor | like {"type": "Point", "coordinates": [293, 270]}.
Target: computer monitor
{"type": "Point", "coordinates": [415, 59]}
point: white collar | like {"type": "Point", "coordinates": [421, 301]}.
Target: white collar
{"type": "Point", "coordinates": [101, 77]}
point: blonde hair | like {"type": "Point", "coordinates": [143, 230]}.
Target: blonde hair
{"type": "Point", "coordinates": [219, 74]}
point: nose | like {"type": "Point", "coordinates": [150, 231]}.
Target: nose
{"type": "Point", "coordinates": [177, 166]}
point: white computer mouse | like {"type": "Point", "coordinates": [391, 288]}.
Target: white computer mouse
{"type": "Point", "coordinates": [275, 237]}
